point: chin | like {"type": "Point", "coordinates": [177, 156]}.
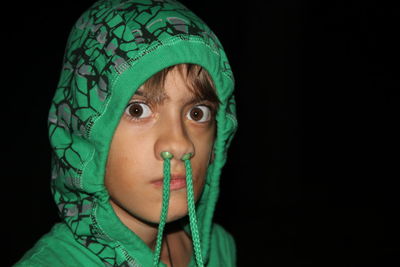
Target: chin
{"type": "Point", "coordinates": [175, 217]}
{"type": "Point", "coordinates": [175, 212]}
{"type": "Point", "coordinates": [172, 217]}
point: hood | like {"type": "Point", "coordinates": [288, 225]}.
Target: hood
{"type": "Point", "coordinates": [113, 48]}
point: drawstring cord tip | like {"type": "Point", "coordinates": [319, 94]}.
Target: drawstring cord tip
{"type": "Point", "coordinates": [186, 156]}
{"type": "Point", "coordinates": [166, 155]}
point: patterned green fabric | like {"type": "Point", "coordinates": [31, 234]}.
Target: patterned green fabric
{"type": "Point", "coordinates": [113, 48]}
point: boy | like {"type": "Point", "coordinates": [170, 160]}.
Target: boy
{"type": "Point", "coordinates": [140, 125]}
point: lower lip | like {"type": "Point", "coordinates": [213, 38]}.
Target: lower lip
{"type": "Point", "coordinates": [175, 184]}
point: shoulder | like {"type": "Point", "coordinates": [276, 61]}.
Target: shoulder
{"type": "Point", "coordinates": [222, 247]}
{"type": "Point", "coordinates": [57, 248]}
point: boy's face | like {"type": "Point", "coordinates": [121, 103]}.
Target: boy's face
{"type": "Point", "coordinates": [177, 124]}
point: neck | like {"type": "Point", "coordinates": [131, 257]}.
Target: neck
{"type": "Point", "coordinates": [180, 244]}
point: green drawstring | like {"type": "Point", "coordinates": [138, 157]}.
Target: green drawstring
{"type": "Point", "coordinates": [192, 210]}
{"type": "Point", "coordinates": [167, 156]}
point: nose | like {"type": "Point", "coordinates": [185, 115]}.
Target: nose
{"type": "Point", "coordinates": [174, 138]}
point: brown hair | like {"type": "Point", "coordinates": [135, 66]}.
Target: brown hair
{"type": "Point", "coordinates": [197, 78]}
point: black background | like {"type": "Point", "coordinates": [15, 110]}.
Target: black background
{"type": "Point", "coordinates": [312, 176]}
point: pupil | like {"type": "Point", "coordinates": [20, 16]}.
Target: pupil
{"type": "Point", "coordinates": [136, 110]}
{"type": "Point", "coordinates": [197, 114]}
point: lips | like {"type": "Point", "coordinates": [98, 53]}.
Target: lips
{"type": "Point", "coordinates": [177, 182]}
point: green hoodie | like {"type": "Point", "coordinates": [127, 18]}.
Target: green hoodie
{"type": "Point", "coordinates": [113, 48]}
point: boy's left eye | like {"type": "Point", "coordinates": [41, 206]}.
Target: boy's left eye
{"type": "Point", "coordinates": [200, 113]}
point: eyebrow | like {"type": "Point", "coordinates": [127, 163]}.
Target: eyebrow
{"type": "Point", "coordinates": [157, 98]}
{"type": "Point", "coordinates": [160, 97]}
{"type": "Point", "coordinates": [140, 92]}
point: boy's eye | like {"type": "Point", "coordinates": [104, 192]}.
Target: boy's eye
{"type": "Point", "coordinates": [138, 110]}
{"type": "Point", "coordinates": [199, 113]}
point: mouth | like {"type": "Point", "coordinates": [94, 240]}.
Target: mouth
{"type": "Point", "coordinates": [177, 182]}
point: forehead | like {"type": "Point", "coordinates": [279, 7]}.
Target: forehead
{"type": "Point", "coordinates": [173, 83]}
{"type": "Point", "coordinates": [192, 81]}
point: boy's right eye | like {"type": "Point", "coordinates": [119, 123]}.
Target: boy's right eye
{"type": "Point", "coordinates": [138, 110]}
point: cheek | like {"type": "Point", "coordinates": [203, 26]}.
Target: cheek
{"type": "Point", "coordinates": [125, 160]}
{"type": "Point", "coordinates": [204, 143]}
{"type": "Point", "coordinates": [127, 147]}
{"type": "Point", "coordinates": [128, 173]}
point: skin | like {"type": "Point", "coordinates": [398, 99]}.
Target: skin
{"type": "Point", "coordinates": [178, 124]}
